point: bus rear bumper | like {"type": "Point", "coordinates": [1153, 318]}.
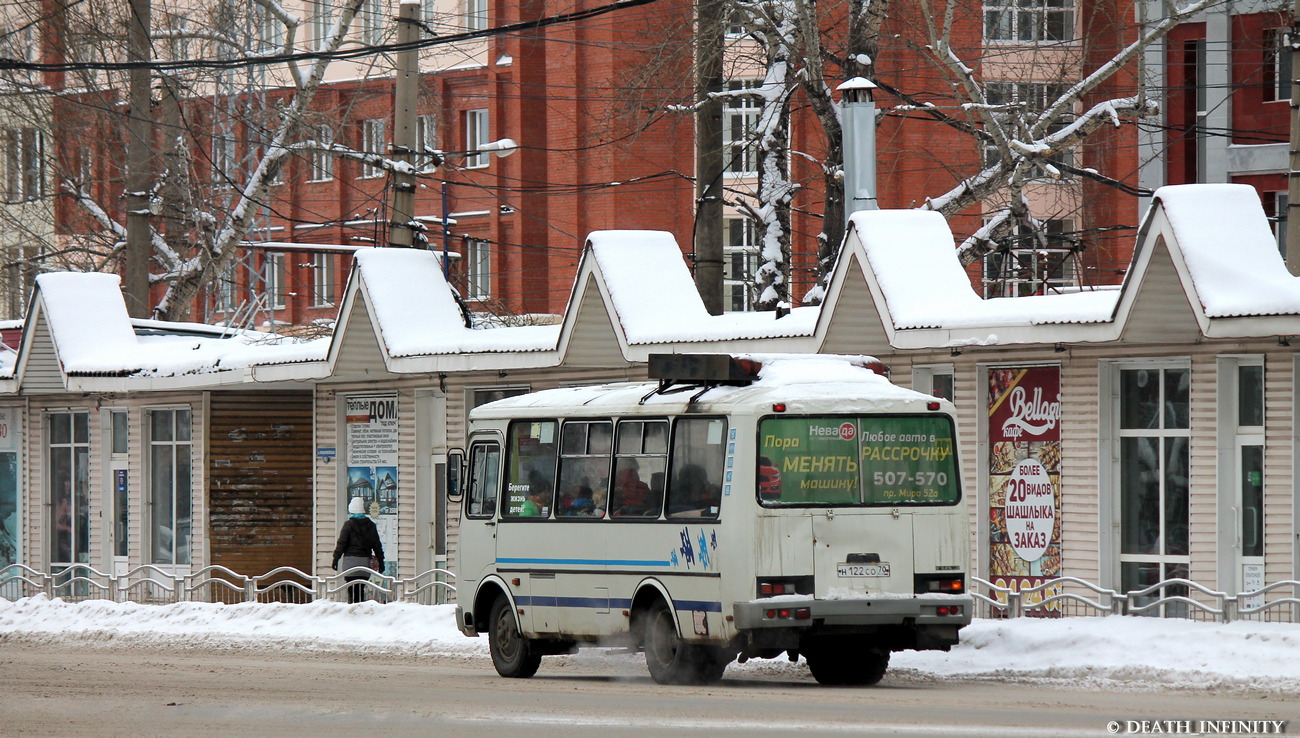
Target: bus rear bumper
{"type": "Point", "coordinates": [937, 616]}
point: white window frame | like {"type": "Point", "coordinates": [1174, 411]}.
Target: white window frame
{"type": "Point", "coordinates": [926, 377]}
{"type": "Point", "coordinates": [371, 22]}
{"type": "Point", "coordinates": [322, 279]}
{"type": "Point", "coordinates": [174, 447]}
{"type": "Point", "coordinates": [739, 255]}
{"type": "Point", "coordinates": [1029, 21]}
{"type": "Point", "coordinates": [426, 133]}
{"type": "Point", "coordinates": [1278, 59]}
{"type": "Point", "coordinates": [79, 526]}
{"type": "Point", "coordinates": [477, 133]}
{"type": "Point", "coordinates": [478, 269]}
{"type": "Point", "coordinates": [322, 21]}
{"type": "Point", "coordinates": [322, 159]}
{"type": "Point", "coordinates": [476, 15]}
{"type": "Point", "coordinates": [1110, 554]}
{"type": "Point", "coordinates": [1036, 262]}
{"type": "Point", "coordinates": [739, 118]}
{"type": "Point", "coordinates": [24, 164]}
{"type": "Point", "coordinates": [1234, 437]}
{"type": "Point", "coordinates": [275, 279]}
{"type": "Point", "coordinates": [373, 141]}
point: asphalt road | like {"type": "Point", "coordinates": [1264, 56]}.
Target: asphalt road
{"type": "Point", "coordinates": [107, 690]}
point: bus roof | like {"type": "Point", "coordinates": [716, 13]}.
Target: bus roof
{"type": "Point", "coordinates": [805, 383]}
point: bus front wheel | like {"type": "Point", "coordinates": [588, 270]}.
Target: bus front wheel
{"type": "Point", "coordinates": [672, 660]}
{"type": "Point", "coordinates": [512, 654]}
{"type": "Point", "coordinates": [854, 665]}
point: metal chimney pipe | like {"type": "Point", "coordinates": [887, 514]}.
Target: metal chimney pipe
{"type": "Point", "coordinates": [859, 122]}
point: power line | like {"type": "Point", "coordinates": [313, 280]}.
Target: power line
{"type": "Point", "coordinates": [354, 53]}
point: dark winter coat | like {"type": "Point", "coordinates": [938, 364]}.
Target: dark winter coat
{"type": "Point", "coordinates": [359, 537]}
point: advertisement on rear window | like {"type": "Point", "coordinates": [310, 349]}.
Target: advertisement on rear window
{"type": "Point", "coordinates": [883, 460]}
{"type": "Point", "coordinates": [1025, 479]}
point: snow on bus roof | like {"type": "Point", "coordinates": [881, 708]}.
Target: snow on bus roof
{"type": "Point", "coordinates": [816, 377]}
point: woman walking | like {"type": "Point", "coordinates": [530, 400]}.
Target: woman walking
{"type": "Point", "coordinates": [358, 543]}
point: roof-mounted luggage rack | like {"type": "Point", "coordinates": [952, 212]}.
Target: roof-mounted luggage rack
{"type": "Point", "coordinates": [681, 372]}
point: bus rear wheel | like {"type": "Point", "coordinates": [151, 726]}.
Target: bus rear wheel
{"type": "Point", "coordinates": [848, 665]}
{"type": "Point", "coordinates": [672, 660]}
{"type": "Point", "coordinates": [512, 654]}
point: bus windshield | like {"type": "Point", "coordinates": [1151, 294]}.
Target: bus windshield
{"type": "Point", "coordinates": [883, 460]}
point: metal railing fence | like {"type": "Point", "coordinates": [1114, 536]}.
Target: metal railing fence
{"type": "Point", "coordinates": [1174, 598]}
{"type": "Point", "coordinates": [149, 584]}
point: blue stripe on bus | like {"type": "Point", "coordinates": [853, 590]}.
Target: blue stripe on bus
{"type": "Point", "coordinates": [587, 562]}
{"type": "Point", "coordinates": [605, 603]}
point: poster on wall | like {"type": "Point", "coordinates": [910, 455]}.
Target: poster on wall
{"type": "Point", "coordinates": [371, 455]}
{"type": "Point", "coordinates": [10, 435]}
{"type": "Point", "coordinates": [1025, 479]}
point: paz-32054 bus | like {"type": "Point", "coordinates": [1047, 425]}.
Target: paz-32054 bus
{"type": "Point", "coordinates": [738, 507]}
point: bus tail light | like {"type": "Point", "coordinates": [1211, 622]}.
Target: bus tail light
{"type": "Point", "coordinates": [949, 610]}
{"type": "Point", "coordinates": [931, 406]}
{"type": "Point", "coordinates": [940, 584]}
{"type": "Point", "coordinates": [776, 586]}
{"type": "Point", "coordinates": [778, 407]}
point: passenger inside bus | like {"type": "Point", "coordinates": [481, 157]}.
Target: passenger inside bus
{"type": "Point", "coordinates": [692, 494]}
{"type": "Point", "coordinates": [632, 497]}
{"type": "Point", "coordinates": [538, 502]}
{"type": "Point", "coordinates": [576, 501]}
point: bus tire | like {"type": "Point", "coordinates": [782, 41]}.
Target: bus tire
{"type": "Point", "coordinates": [672, 660]}
{"type": "Point", "coordinates": [512, 654]}
{"type": "Point", "coordinates": [852, 665]}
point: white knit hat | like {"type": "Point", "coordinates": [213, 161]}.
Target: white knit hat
{"type": "Point", "coordinates": [357, 506]}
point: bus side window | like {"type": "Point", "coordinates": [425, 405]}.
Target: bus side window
{"type": "Point", "coordinates": [530, 469]}
{"type": "Point", "coordinates": [484, 466]}
{"type": "Point", "coordinates": [699, 452]}
{"type": "Point", "coordinates": [584, 468]}
{"type": "Point", "coordinates": [639, 462]}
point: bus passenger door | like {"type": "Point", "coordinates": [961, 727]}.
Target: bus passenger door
{"type": "Point", "coordinates": [477, 552]}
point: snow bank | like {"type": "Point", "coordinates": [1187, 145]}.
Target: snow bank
{"type": "Point", "coordinates": [1107, 652]}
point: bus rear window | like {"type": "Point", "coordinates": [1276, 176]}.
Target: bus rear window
{"type": "Point", "coordinates": [868, 460]}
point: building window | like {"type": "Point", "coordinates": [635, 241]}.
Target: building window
{"type": "Point", "coordinates": [224, 160]}
{"type": "Point", "coordinates": [170, 486]}
{"type": "Point", "coordinates": [322, 21]}
{"type": "Point", "coordinates": [20, 44]}
{"type": "Point", "coordinates": [739, 118]}
{"type": "Point", "coordinates": [934, 380]}
{"type": "Point", "coordinates": [1277, 65]}
{"type": "Point", "coordinates": [739, 263]}
{"type": "Point", "coordinates": [476, 134]}
{"type": "Point", "coordinates": [1028, 21]}
{"type": "Point", "coordinates": [227, 293]}
{"type": "Point", "coordinates": [476, 15]}
{"type": "Point", "coordinates": [68, 444]}
{"type": "Point", "coordinates": [322, 279]}
{"type": "Point", "coordinates": [322, 161]}
{"type": "Point", "coordinates": [478, 269]}
{"type": "Point", "coordinates": [274, 280]}
{"type": "Point", "coordinates": [1028, 101]}
{"type": "Point", "coordinates": [1154, 438]}
{"type": "Point", "coordinates": [372, 144]}
{"type": "Point", "coordinates": [24, 164]}
{"type": "Point", "coordinates": [270, 31]}
{"type": "Point", "coordinates": [426, 133]}
{"type": "Point", "coordinates": [1024, 266]}
{"type": "Point", "coordinates": [372, 22]}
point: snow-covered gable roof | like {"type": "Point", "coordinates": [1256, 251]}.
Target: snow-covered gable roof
{"type": "Point", "coordinates": [403, 297]}
{"type": "Point", "coordinates": [98, 347]}
{"type": "Point", "coordinates": [925, 299]}
{"type": "Point", "coordinates": [654, 301]}
{"type": "Point", "coordinates": [1225, 251]}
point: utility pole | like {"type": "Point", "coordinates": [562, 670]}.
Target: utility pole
{"type": "Point", "coordinates": [710, 21]}
{"type": "Point", "coordinates": [1292, 214]}
{"type": "Point", "coordinates": [405, 97]}
{"type": "Point", "coordinates": [139, 143]}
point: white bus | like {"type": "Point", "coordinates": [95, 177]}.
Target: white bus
{"type": "Point", "coordinates": [739, 507]}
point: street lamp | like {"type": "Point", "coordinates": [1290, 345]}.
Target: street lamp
{"type": "Point", "coordinates": [502, 148]}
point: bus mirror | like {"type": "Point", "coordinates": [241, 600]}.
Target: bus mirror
{"type": "Point", "coordinates": [455, 472]}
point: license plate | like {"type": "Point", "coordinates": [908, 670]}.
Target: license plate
{"type": "Point", "coordinates": [863, 570]}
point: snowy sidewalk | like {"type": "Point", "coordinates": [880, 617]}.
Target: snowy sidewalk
{"type": "Point", "coordinates": [1105, 652]}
